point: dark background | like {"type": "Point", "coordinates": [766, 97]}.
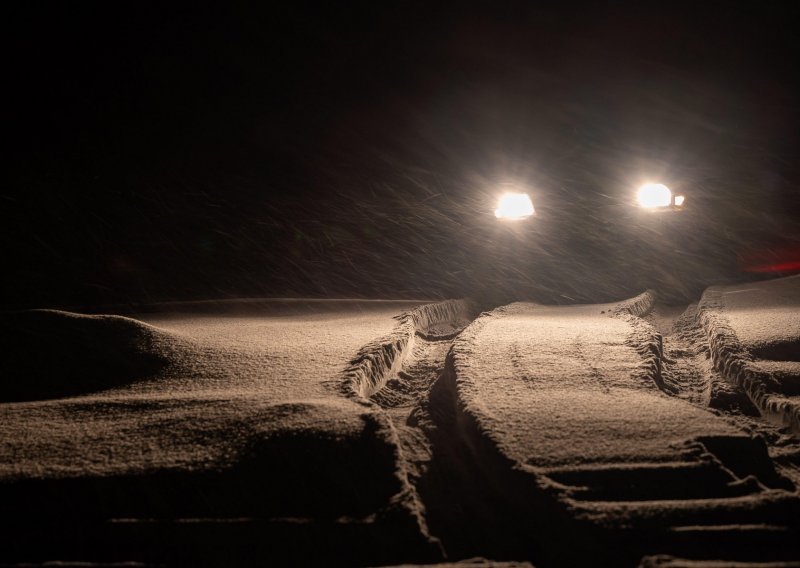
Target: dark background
{"type": "Point", "coordinates": [162, 152]}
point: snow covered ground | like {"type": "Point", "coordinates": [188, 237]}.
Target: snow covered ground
{"type": "Point", "coordinates": [389, 432]}
{"type": "Point", "coordinates": [534, 376]}
{"type": "Point", "coordinates": [243, 416]}
{"type": "Point", "coordinates": [573, 400]}
{"type": "Point", "coordinates": [754, 332]}
{"type": "Point", "coordinates": [227, 378]}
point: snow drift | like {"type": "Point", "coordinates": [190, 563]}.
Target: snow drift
{"type": "Point", "coordinates": [51, 353]}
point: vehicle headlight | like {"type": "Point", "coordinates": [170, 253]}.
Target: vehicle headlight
{"type": "Point", "coordinates": [654, 195]}
{"type": "Point", "coordinates": [514, 206]}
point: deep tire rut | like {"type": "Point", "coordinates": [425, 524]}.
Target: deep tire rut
{"type": "Point", "coordinates": [404, 398]}
{"type": "Point", "coordinates": [452, 483]}
{"type": "Point", "coordinates": [689, 373]}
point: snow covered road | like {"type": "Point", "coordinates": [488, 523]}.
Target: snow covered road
{"type": "Point", "coordinates": [534, 376]}
{"type": "Point", "coordinates": [379, 432]}
{"type": "Point", "coordinates": [572, 400]}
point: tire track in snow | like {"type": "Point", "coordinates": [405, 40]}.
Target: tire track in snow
{"type": "Point", "coordinates": [580, 352]}
{"type": "Point", "coordinates": [709, 492]}
{"type": "Point", "coordinates": [380, 360]}
{"type": "Point", "coordinates": [404, 398]}
{"type": "Point", "coordinates": [690, 371]}
{"type": "Point", "coordinates": [395, 374]}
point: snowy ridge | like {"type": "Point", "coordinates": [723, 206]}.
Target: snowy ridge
{"type": "Point", "coordinates": [638, 305]}
{"type": "Point", "coordinates": [456, 369]}
{"type": "Point", "coordinates": [644, 338]}
{"type": "Point", "coordinates": [736, 363]}
{"type": "Point", "coordinates": [376, 361]}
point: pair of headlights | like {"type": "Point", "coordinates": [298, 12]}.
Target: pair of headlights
{"type": "Point", "coordinates": [658, 196]}
{"type": "Point", "coordinates": [655, 196]}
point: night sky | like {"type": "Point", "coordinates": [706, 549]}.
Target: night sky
{"type": "Point", "coordinates": [167, 152]}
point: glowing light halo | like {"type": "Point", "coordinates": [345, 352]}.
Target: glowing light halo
{"type": "Point", "coordinates": [654, 196]}
{"type": "Point", "coordinates": [514, 207]}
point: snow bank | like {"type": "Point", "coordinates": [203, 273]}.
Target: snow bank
{"type": "Point", "coordinates": [51, 353]}
{"type": "Point", "coordinates": [377, 360]}
{"type": "Point", "coordinates": [743, 323]}
{"type": "Point", "coordinates": [766, 317]}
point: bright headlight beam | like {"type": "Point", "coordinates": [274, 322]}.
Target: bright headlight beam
{"type": "Point", "coordinates": [654, 195]}
{"type": "Point", "coordinates": [514, 206]}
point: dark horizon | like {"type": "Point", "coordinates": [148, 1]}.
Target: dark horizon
{"type": "Point", "coordinates": [334, 152]}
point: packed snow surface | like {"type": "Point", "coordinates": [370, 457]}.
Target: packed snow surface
{"type": "Point", "coordinates": [561, 385]}
{"type": "Point", "coordinates": [764, 313]}
{"type": "Point", "coordinates": [754, 336]}
{"type": "Point", "coordinates": [390, 432]}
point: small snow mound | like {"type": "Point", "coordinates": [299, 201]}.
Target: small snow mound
{"type": "Point", "coordinates": [51, 353]}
